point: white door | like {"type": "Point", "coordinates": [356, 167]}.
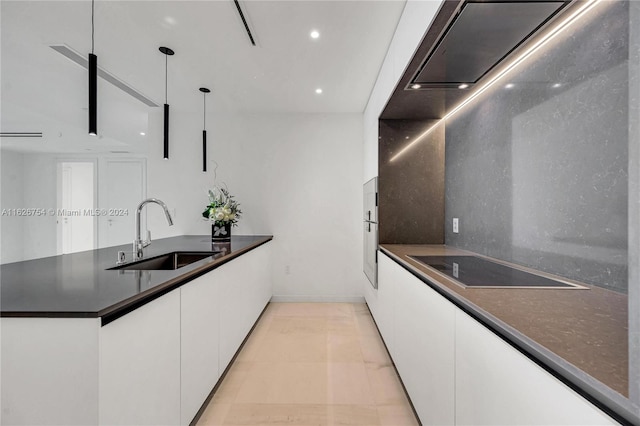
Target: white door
{"type": "Point", "coordinates": [123, 186]}
{"type": "Point", "coordinates": [75, 211]}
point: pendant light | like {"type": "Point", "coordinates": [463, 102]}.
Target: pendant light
{"type": "Point", "coordinates": [93, 82]}
{"type": "Point", "coordinates": [204, 91]}
{"type": "Point", "coordinates": [167, 52]}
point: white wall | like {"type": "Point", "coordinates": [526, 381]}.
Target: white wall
{"type": "Point", "coordinates": [296, 176]}
{"type": "Point", "coordinates": [28, 182]}
{"type": "Point", "coordinates": [414, 22]}
{"type": "Point", "coordinates": [40, 191]}
{"type": "Point", "coordinates": [11, 195]}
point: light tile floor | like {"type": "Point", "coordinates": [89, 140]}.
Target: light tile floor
{"type": "Point", "coordinates": [311, 364]}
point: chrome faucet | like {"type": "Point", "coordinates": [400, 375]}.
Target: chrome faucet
{"type": "Point", "coordinates": [138, 243]}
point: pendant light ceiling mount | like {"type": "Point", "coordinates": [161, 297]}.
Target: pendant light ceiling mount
{"type": "Point", "coordinates": [167, 51]}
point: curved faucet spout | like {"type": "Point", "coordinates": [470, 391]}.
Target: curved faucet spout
{"type": "Point", "coordinates": [138, 243]}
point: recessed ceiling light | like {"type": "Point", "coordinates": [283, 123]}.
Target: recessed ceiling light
{"type": "Point", "coordinates": [555, 86]}
{"type": "Point", "coordinates": [463, 86]}
{"type": "Point", "coordinates": [416, 86]}
{"type": "Point", "coordinates": [142, 133]}
{"type": "Point", "coordinates": [510, 86]}
{"type": "Point", "coordinates": [318, 90]}
{"type": "Point", "coordinates": [314, 34]}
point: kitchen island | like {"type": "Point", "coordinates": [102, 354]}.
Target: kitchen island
{"type": "Point", "coordinates": [83, 285]}
{"type": "Point", "coordinates": [579, 335]}
{"type": "Point", "coordinates": [86, 344]}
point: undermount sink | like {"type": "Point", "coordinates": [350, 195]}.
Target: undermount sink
{"type": "Point", "coordinates": [169, 261]}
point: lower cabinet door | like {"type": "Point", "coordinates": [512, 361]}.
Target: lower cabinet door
{"type": "Point", "coordinates": [389, 276]}
{"type": "Point", "coordinates": [425, 348]}
{"type": "Point", "coordinates": [245, 289]}
{"type": "Point", "coordinates": [199, 343]}
{"type": "Point", "coordinates": [139, 365]}
{"type": "Point", "coordinates": [497, 385]}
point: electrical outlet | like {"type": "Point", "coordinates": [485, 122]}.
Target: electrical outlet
{"type": "Point", "coordinates": [456, 270]}
{"type": "Point", "coordinates": [456, 225]}
{"type": "Point", "coordinates": [287, 270]}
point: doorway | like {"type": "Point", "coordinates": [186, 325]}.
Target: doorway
{"type": "Point", "coordinates": [75, 216]}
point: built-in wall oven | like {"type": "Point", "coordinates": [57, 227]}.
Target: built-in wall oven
{"type": "Point", "coordinates": [371, 231]}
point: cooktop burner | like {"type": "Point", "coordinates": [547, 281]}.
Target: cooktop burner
{"type": "Point", "coordinates": [472, 271]}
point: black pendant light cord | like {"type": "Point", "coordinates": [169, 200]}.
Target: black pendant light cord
{"type": "Point", "coordinates": [204, 116]}
{"type": "Point", "coordinates": [166, 68]}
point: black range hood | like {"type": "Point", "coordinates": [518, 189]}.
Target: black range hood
{"type": "Point", "coordinates": [479, 36]}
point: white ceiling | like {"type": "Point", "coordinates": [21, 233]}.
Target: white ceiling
{"type": "Point", "coordinates": [44, 91]}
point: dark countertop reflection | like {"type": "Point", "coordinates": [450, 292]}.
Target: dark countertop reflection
{"type": "Point", "coordinates": [80, 284]}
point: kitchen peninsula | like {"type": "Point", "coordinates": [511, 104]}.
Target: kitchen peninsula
{"type": "Point", "coordinates": [88, 344]}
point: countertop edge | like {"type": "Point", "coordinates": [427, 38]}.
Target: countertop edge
{"type": "Point", "coordinates": [591, 389]}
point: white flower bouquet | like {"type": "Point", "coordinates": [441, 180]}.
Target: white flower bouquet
{"type": "Point", "coordinates": [222, 208]}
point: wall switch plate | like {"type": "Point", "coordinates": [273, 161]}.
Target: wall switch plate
{"type": "Point", "coordinates": [287, 270]}
{"type": "Point", "coordinates": [455, 225]}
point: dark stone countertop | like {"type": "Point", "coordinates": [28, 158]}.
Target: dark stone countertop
{"type": "Point", "coordinates": [80, 284]}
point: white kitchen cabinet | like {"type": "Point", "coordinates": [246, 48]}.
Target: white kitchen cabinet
{"type": "Point", "coordinates": [49, 371]}
{"type": "Point", "coordinates": [497, 385]}
{"type": "Point", "coordinates": [456, 371]}
{"type": "Point", "coordinates": [425, 348]}
{"type": "Point", "coordinates": [160, 362]}
{"type": "Point", "coordinates": [245, 289]}
{"type": "Point", "coordinates": [156, 365]}
{"type": "Point", "coordinates": [199, 342]}
{"type": "Point", "coordinates": [139, 365]}
{"type": "Point", "coordinates": [389, 273]}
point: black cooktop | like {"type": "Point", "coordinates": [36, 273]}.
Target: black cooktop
{"type": "Point", "coordinates": [472, 271]}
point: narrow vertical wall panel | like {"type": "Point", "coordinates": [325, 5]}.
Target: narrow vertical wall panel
{"type": "Point", "coordinates": [411, 187]}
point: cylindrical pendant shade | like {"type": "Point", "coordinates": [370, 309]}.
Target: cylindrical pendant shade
{"type": "Point", "coordinates": [167, 52]}
{"type": "Point", "coordinates": [166, 131]}
{"type": "Point", "coordinates": [204, 91]}
{"type": "Point", "coordinates": [204, 150]}
{"type": "Point", "coordinates": [93, 94]}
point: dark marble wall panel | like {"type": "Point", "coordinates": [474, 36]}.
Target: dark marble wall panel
{"type": "Point", "coordinates": [537, 169]}
{"type": "Point", "coordinates": [411, 188]}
